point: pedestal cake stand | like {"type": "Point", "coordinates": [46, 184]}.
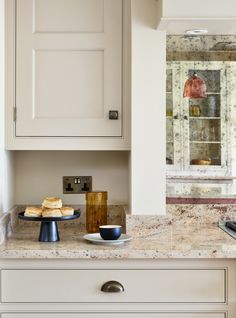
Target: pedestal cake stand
{"type": "Point", "coordinates": [49, 229]}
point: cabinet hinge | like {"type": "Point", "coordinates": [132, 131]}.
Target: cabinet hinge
{"type": "Point", "coordinates": [14, 114]}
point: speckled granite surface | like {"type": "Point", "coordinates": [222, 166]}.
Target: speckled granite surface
{"type": "Point", "coordinates": [182, 233]}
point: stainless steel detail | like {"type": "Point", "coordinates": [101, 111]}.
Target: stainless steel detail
{"type": "Point", "coordinates": [112, 287]}
{"type": "Point", "coordinates": [113, 114]}
{"type": "Point", "coordinates": [222, 226]}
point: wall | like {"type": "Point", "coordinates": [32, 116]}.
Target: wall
{"type": "Point", "coordinates": [148, 110]}
{"type": "Point", "coordinates": [6, 157]}
{"type": "Point", "coordinates": [39, 174]}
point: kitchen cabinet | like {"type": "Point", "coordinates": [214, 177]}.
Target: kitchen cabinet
{"type": "Point", "coordinates": [191, 286]}
{"type": "Point", "coordinates": [157, 289]}
{"type": "Point", "coordinates": [198, 129]}
{"type": "Point", "coordinates": [68, 74]}
{"type": "Point", "coordinates": [177, 17]}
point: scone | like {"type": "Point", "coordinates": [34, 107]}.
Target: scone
{"type": "Point", "coordinates": [52, 203]}
{"type": "Point", "coordinates": [51, 213]}
{"type": "Point", "coordinates": [33, 211]}
{"type": "Point", "coordinates": [67, 210]}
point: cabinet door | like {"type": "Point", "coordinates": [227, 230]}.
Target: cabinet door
{"type": "Point", "coordinates": [205, 128]}
{"type": "Point", "coordinates": [173, 116]}
{"type": "Point", "coordinates": [123, 315]}
{"type": "Point", "coordinates": [68, 67]}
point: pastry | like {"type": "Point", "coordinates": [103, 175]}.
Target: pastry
{"type": "Point", "coordinates": [67, 210]}
{"type": "Point", "coordinates": [33, 211]}
{"type": "Point", "coordinates": [52, 203]}
{"type": "Point", "coordinates": [50, 213]}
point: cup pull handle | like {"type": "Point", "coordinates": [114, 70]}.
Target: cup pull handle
{"type": "Point", "coordinates": [112, 287]}
{"type": "Point", "coordinates": [113, 114]}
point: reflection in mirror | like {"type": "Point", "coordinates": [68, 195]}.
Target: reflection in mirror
{"type": "Point", "coordinates": [201, 132]}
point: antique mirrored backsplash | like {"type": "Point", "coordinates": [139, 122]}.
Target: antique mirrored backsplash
{"type": "Point", "coordinates": [200, 133]}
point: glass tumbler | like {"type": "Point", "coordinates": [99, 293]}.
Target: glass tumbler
{"type": "Point", "coordinates": [96, 210]}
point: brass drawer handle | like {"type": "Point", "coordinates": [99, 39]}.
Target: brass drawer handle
{"type": "Point", "coordinates": [112, 287]}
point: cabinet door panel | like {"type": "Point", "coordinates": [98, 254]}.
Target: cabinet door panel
{"type": "Point", "coordinates": [158, 286]}
{"type": "Point", "coordinates": [123, 315]}
{"type": "Point", "coordinates": [84, 80]}
{"type": "Point", "coordinates": [85, 15]}
{"type": "Point", "coordinates": [68, 67]}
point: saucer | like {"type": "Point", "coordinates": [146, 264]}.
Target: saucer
{"type": "Point", "coordinates": [95, 238]}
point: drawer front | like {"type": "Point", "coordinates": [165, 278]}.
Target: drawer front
{"type": "Point", "coordinates": [159, 286]}
{"type": "Point", "coordinates": [123, 315]}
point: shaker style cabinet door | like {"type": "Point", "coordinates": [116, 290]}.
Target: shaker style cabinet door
{"type": "Point", "coordinates": [68, 67]}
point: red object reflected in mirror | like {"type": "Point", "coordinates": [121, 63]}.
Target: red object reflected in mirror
{"type": "Point", "coordinates": [195, 87]}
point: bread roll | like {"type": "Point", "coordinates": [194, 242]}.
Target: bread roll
{"type": "Point", "coordinates": [33, 211]}
{"type": "Point", "coordinates": [50, 213]}
{"type": "Point", "coordinates": [67, 210]}
{"type": "Point", "coordinates": [52, 203]}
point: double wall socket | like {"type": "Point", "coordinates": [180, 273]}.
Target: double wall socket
{"type": "Point", "coordinates": [77, 184]}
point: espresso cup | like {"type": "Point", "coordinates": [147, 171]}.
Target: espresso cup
{"type": "Point", "coordinates": [110, 232]}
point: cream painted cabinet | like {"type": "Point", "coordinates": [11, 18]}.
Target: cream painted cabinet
{"type": "Point", "coordinates": [198, 130]}
{"type": "Point", "coordinates": [191, 286]}
{"type": "Point", "coordinates": [176, 17]}
{"type": "Point", "coordinates": [68, 74]}
{"type": "Point", "coordinates": [147, 289]}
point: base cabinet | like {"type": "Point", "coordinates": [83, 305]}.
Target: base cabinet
{"type": "Point", "coordinates": [140, 286]}
{"type": "Point", "coordinates": [150, 289]}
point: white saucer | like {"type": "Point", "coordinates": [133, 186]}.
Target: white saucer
{"type": "Point", "coordinates": [95, 238]}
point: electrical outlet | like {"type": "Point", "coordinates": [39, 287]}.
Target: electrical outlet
{"type": "Point", "coordinates": [77, 184]}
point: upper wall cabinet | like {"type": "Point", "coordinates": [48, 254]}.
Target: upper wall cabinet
{"type": "Point", "coordinates": [68, 74]}
{"type": "Point", "coordinates": [178, 16]}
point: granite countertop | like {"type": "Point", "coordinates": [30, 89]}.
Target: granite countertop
{"type": "Point", "coordinates": [185, 231]}
{"type": "Point", "coordinates": [170, 241]}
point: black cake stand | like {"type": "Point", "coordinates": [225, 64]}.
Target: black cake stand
{"type": "Point", "coordinates": [48, 229]}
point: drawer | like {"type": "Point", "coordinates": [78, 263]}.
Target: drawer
{"type": "Point", "coordinates": [123, 315]}
{"type": "Point", "coordinates": [158, 286]}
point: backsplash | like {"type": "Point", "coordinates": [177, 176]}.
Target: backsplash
{"type": "Point", "coordinates": [39, 174]}
{"type": "Point", "coordinates": [181, 43]}
{"type": "Point", "coordinates": [203, 48]}
{"type": "Point", "coordinates": [179, 214]}
{"type": "Point", "coordinates": [138, 226]}
{"type": "Point", "coordinates": [206, 139]}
